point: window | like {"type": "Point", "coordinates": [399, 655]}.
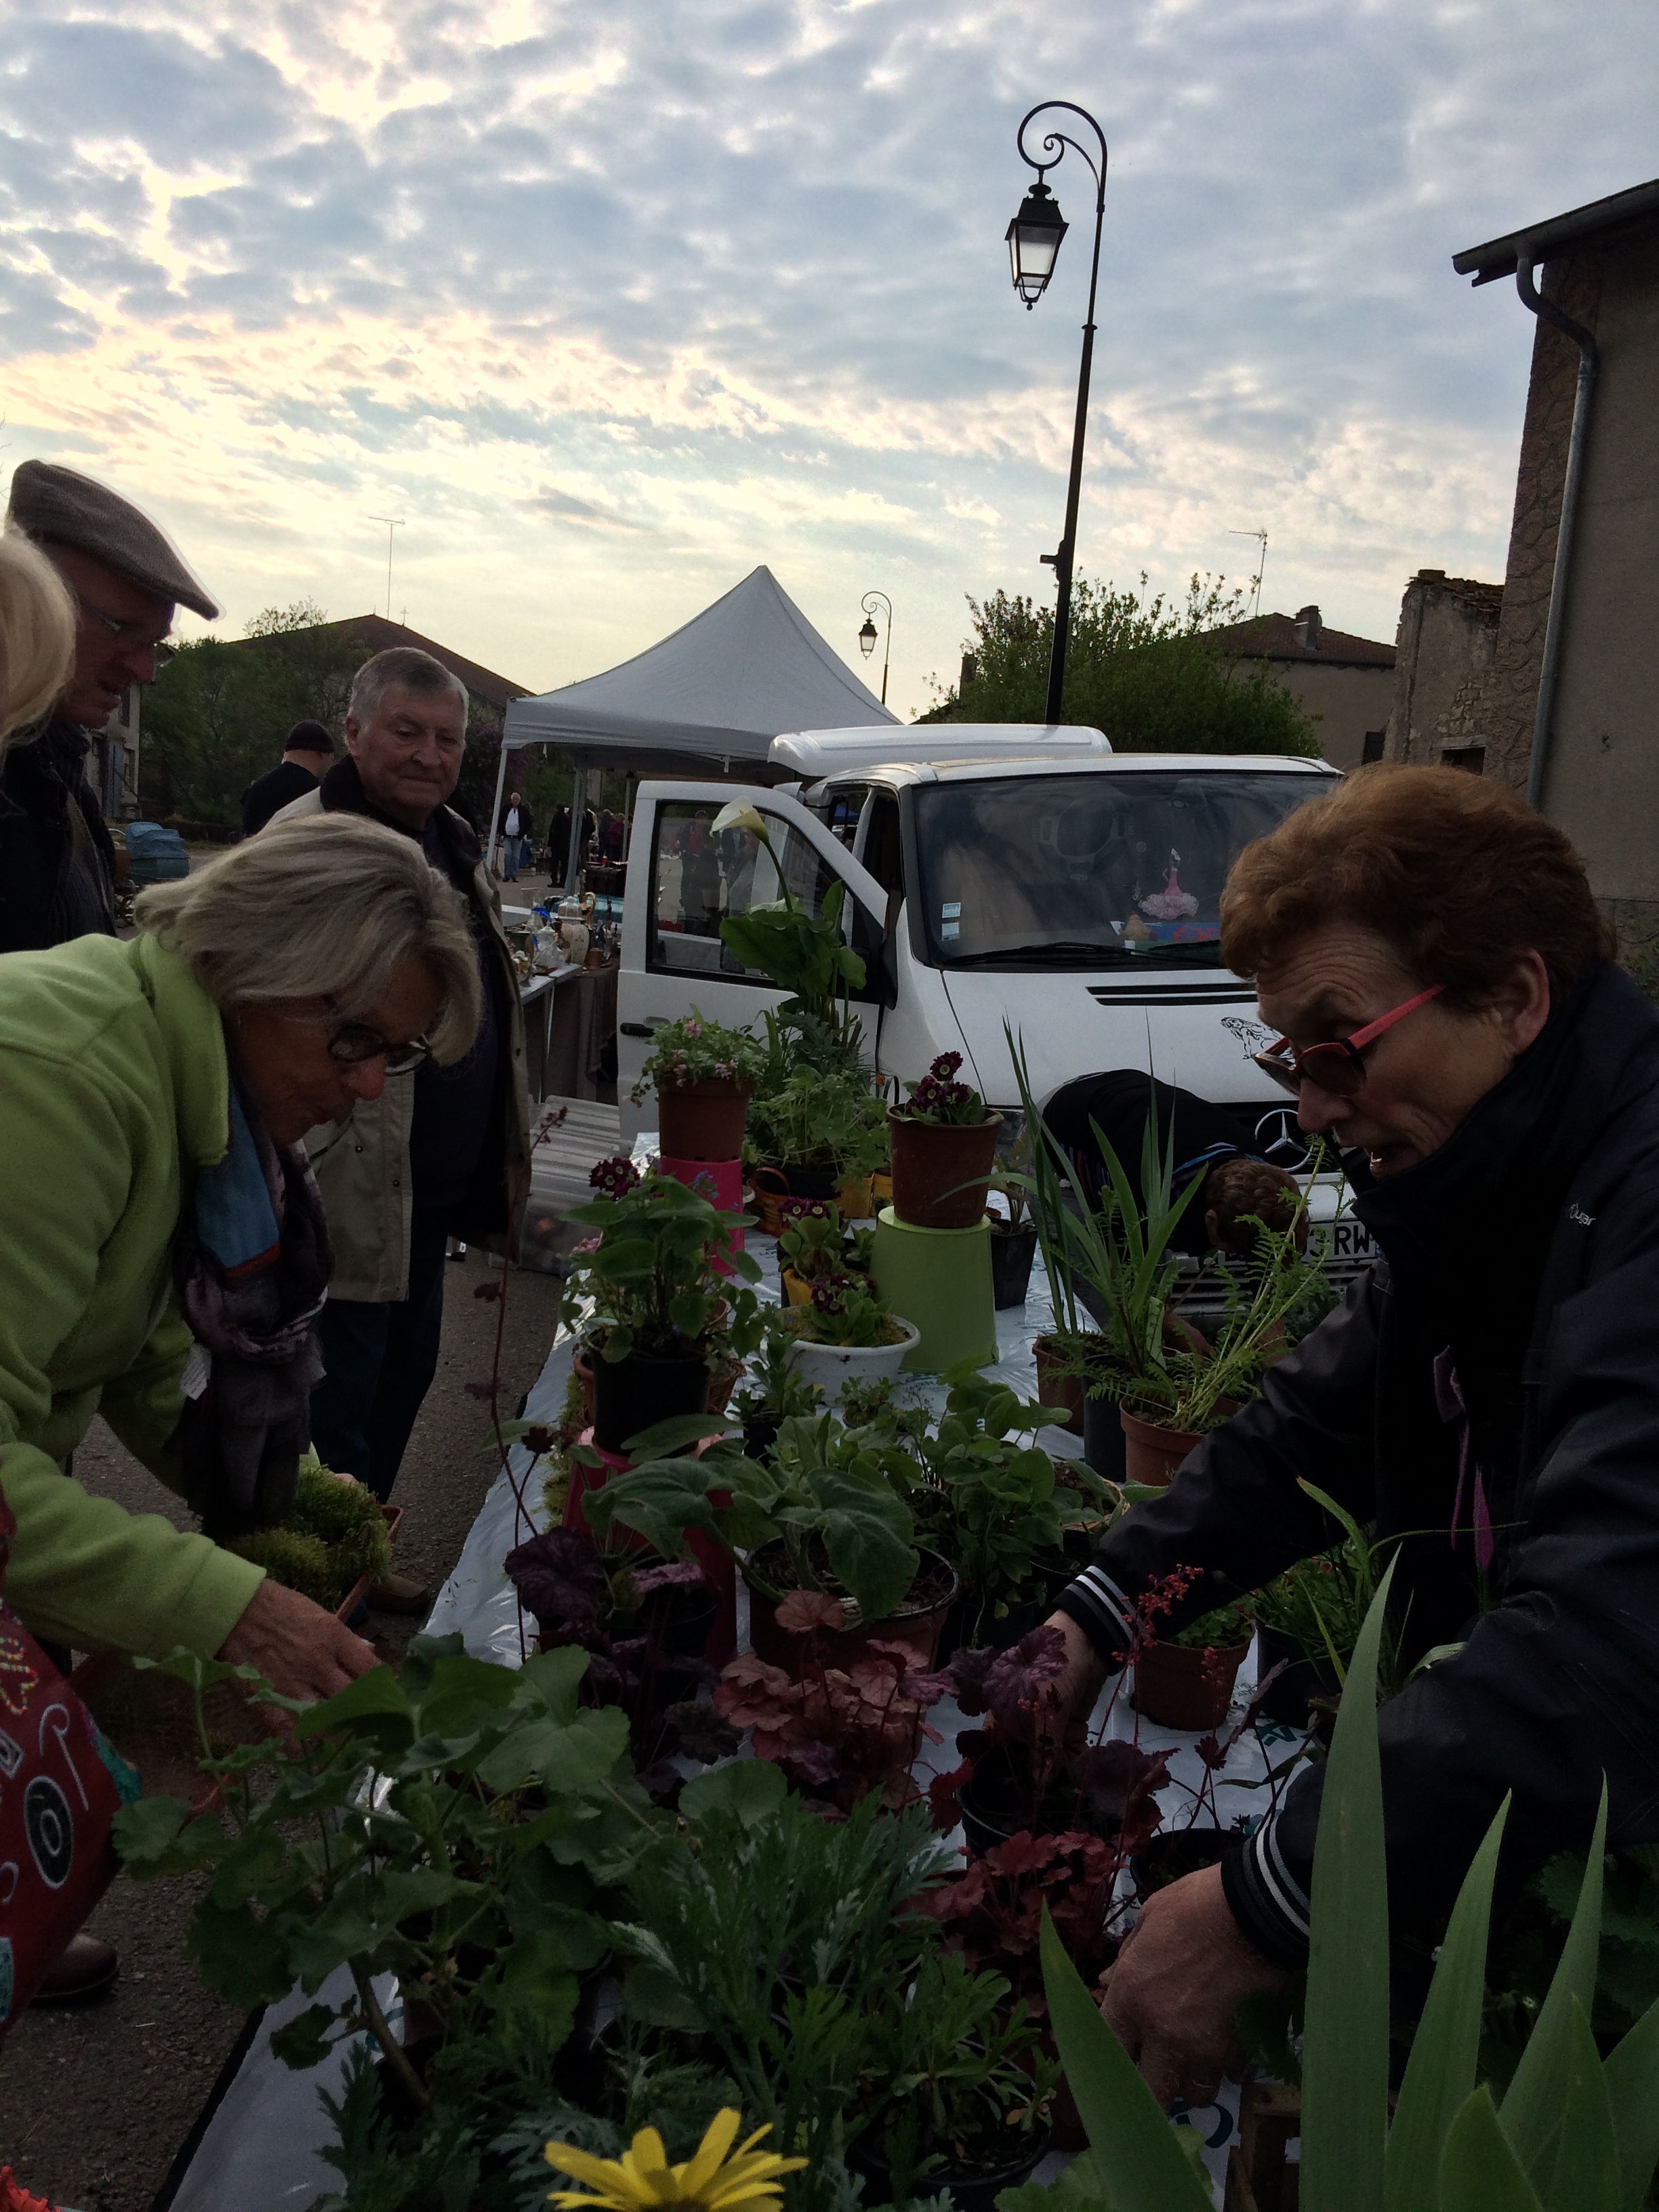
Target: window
{"type": "Point", "coordinates": [1472, 758]}
{"type": "Point", "coordinates": [1372, 748]}
{"type": "Point", "coordinates": [698, 878]}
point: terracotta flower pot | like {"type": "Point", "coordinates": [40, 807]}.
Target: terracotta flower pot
{"type": "Point", "coordinates": [1151, 1455]}
{"type": "Point", "coordinates": [1174, 1688]}
{"type": "Point", "coordinates": [941, 1171]}
{"type": "Point", "coordinates": [722, 1384]}
{"type": "Point", "coordinates": [917, 1620]}
{"type": "Point", "coordinates": [703, 1121]}
{"type": "Point", "coordinates": [1063, 1392]}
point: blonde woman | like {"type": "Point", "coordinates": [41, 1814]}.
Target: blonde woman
{"type": "Point", "coordinates": [165, 1254]}
{"type": "Point", "coordinates": [37, 636]}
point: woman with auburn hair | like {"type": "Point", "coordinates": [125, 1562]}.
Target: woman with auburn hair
{"type": "Point", "coordinates": [1430, 953]}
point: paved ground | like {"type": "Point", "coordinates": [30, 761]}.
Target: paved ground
{"type": "Point", "coordinates": [95, 2101]}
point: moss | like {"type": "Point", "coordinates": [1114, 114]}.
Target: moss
{"type": "Point", "coordinates": [296, 1560]}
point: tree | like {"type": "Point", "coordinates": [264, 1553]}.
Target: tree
{"type": "Point", "coordinates": [1141, 670]}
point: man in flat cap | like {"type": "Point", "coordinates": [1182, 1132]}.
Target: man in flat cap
{"type": "Point", "coordinates": [56, 857]}
{"type": "Point", "coordinates": [306, 757]}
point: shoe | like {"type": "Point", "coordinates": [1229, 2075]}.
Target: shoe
{"type": "Point", "coordinates": [399, 1593]}
{"type": "Point", "coordinates": [84, 1968]}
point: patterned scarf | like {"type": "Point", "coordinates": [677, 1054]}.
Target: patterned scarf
{"type": "Point", "coordinates": [252, 1263]}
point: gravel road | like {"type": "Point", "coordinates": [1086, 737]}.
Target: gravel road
{"type": "Point", "coordinates": [96, 2100]}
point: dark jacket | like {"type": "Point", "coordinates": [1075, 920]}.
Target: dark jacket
{"type": "Point", "coordinates": [1116, 1102]}
{"type": "Point", "coordinates": [269, 794]}
{"type": "Point", "coordinates": [47, 894]}
{"type": "Point", "coordinates": [1524, 1253]}
{"type": "Point", "coordinates": [526, 827]}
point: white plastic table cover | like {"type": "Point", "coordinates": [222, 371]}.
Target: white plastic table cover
{"type": "Point", "coordinates": [260, 2151]}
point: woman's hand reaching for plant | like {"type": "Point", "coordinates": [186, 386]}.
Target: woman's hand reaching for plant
{"type": "Point", "coordinates": [299, 1649]}
{"type": "Point", "coordinates": [1185, 1968]}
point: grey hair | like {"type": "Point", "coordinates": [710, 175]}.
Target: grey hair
{"type": "Point", "coordinates": [400, 664]}
{"type": "Point", "coordinates": [37, 636]}
{"type": "Point", "coordinates": [323, 906]}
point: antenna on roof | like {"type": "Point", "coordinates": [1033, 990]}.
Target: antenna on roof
{"type": "Point", "coordinates": [392, 523]}
{"type": "Point", "coordinates": [1260, 537]}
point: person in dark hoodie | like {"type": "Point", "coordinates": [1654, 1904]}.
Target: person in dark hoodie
{"type": "Point", "coordinates": [307, 751]}
{"type": "Point", "coordinates": [1431, 951]}
{"type": "Point", "coordinates": [57, 860]}
{"type": "Point", "coordinates": [443, 1149]}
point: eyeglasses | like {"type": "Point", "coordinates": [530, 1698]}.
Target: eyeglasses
{"type": "Point", "coordinates": [127, 634]}
{"type": "Point", "coordinates": [1339, 1065]}
{"type": "Point", "coordinates": [353, 1042]}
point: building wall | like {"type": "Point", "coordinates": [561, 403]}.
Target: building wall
{"type": "Point", "coordinates": [1602, 782]}
{"type": "Point", "coordinates": [1448, 634]}
{"type": "Point", "coordinates": [1350, 703]}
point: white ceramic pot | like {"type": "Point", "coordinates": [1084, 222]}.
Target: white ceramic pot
{"type": "Point", "coordinates": [830, 1365]}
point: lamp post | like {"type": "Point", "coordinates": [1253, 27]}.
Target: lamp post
{"type": "Point", "coordinates": [867, 635]}
{"type": "Point", "coordinates": [1033, 237]}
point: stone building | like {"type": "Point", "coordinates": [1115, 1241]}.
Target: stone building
{"type": "Point", "coordinates": [1346, 684]}
{"type": "Point", "coordinates": [1571, 698]}
{"type": "Point", "coordinates": [1443, 677]}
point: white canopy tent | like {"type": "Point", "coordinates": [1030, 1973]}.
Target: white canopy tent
{"type": "Point", "coordinates": [714, 693]}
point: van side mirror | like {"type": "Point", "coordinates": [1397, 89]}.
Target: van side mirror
{"type": "Point", "coordinates": [878, 953]}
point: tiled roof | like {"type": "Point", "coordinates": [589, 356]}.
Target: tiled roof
{"type": "Point", "coordinates": [1273, 637]}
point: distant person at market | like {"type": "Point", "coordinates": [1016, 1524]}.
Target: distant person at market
{"type": "Point", "coordinates": [1210, 1144]}
{"type": "Point", "coordinates": [306, 754]}
{"type": "Point", "coordinates": [165, 1256]}
{"type": "Point", "coordinates": [1432, 954]}
{"type": "Point", "coordinates": [441, 1149]}
{"type": "Point", "coordinates": [57, 860]}
{"type": "Point", "coordinates": [608, 836]}
{"type": "Point", "coordinates": [517, 830]}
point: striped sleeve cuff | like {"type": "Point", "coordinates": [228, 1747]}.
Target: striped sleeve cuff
{"type": "Point", "coordinates": [1265, 1898]}
{"type": "Point", "coordinates": [1101, 1610]}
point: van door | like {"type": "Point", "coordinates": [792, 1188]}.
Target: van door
{"type": "Point", "coordinates": [683, 880]}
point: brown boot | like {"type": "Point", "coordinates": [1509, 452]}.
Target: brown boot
{"type": "Point", "coordinates": [399, 1594]}
{"type": "Point", "coordinates": [84, 1968]}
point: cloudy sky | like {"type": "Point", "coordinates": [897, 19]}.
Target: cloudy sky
{"type": "Point", "coordinates": [611, 303]}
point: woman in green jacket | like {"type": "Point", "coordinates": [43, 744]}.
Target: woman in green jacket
{"type": "Point", "coordinates": [162, 1252]}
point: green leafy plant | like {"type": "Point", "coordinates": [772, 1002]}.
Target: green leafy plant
{"type": "Point", "coordinates": [953, 2084]}
{"type": "Point", "coordinates": [697, 1050]}
{"type": "Point", "coordinates": [648, 1270]}
{"type": "Point", "coordinates": [1321, 1603]}
{"type": "Point", "coordinates": [475, 1869]}
{"type": "Point", "coordinates": [833, 1497]}
{"type": "Point", "coordinates": [776, 1392]}
{"type": "Point", "coordinates": [1573, 2131]}
{"type": "Point", "coordinates": [802, 953]}
{"type": "Point", "coordinates": [814, 1245]}
{"type": "Point", "coordinates": [1227, 1625]}
{"type": "Point", "coordinates": [846, 1310]}
{"type": "Point", "coordinates": [823, 1119]}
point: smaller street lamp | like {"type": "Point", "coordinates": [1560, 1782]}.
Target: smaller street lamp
{"type": "Point", "coordinates": [867, 635]}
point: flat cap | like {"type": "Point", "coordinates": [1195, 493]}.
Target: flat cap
{"type": "Point", "coordinates": [69, 509]}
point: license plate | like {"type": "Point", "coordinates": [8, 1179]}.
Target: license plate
{"type": "Point", "coordinates": [1347, 1238]}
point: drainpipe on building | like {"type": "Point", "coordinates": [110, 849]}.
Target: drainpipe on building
{"type": "Point", "coordinates": [1589, 361]}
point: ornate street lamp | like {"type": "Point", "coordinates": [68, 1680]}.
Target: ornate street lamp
{"type": "Point", "coordinates": [867, 635]}
{"type": "Point", "coordinates": [1034, 237]}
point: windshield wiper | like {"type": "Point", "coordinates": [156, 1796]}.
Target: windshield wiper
{"type": "Point", "coordinates": [1072, 950]}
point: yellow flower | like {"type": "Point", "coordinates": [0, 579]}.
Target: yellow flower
{"type": "Point", "coordinates": [643, 2180]}
{"type": "Point", "coordinates": [739, 815]}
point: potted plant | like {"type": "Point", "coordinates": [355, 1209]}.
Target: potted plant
{"type": "Point", "coordinates": [819, 1135]}
{"type": "Point", "coordinates": [1013, 1233]}
{"type": "Point", "coordinates": [1185, 1680]}
{"type": "Point", "coordinates": [658, 1327]}
{"type": "Point", "coordinates": [942, 1141]}
{"type": "Point", "coordinates": [954, 2092]}
{"type": "Point", "coordinates": [813, 1246]}
{"type": "Point", "coordinates": [331, 1544]}
{"type": "Point", "coordinates": [704, 1076]}
{"type": "Point", "coordinates": [825, 1512]}
{"type": "Point", "coordinates": [844, 1330]}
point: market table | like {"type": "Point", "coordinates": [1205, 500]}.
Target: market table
{"type": "Point", "coordinates": [259, 2150]}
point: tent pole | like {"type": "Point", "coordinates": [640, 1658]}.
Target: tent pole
{"type": "Point", "coordinates": [578, 802]}
{"type": "Point", "coordinates": [496, 818]}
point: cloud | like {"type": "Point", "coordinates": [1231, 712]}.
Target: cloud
{"type": "Point", "coordinates": [612, 304]}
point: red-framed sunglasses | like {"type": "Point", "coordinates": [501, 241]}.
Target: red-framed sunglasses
{"type": "Point", "coordinates": [1338, 1067]}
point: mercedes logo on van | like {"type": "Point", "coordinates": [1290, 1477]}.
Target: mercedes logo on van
{"type": "Point", "coordinates": [1281, 1137]}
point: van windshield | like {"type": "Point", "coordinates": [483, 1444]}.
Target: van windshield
{"type": "Point", "coordinates": [1092, 870]}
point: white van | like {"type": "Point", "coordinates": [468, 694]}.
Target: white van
{"type": "Point", "coordinates": [992, 872]}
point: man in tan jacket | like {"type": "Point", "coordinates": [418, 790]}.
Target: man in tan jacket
{"type": "Point", "coordinates": [442, 1149]}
